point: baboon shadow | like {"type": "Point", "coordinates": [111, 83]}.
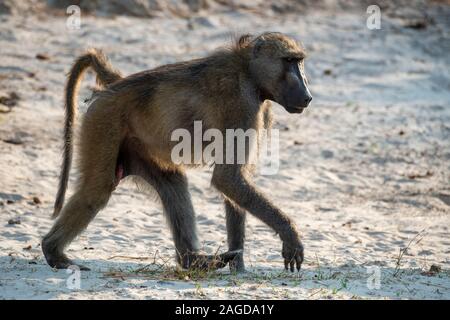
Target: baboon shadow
{"type": "Point", "coordinates": [34, 279]}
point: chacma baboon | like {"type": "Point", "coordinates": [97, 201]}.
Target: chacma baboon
{"type": "Point", "coordinates": [127, 128]}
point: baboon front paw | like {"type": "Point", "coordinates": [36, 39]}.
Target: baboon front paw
{"type": "Point", "coordinates": [208, 262]}
{"type": "Point", "coordinates": [293, 256]}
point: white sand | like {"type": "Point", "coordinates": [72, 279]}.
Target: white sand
{"type": "Point", "coordinates": [346, 174]}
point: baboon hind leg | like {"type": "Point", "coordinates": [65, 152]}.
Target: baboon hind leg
{"type": "Point", "coordinates": [99, 148]}
{"type": "Point", "coordinates": [235, 222]}
{"type": "Point", "coordinates": [172, 188]}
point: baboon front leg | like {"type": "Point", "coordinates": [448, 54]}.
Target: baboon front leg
{"type": "Point", "coordinates": [235, 222]}
{"type": "Point", "coordinates": [232, 182]}
{"type": "Point", "coordinates": [172, 188]}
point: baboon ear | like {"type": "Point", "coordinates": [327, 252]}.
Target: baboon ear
{"type": "Point", "coordinates": [244, 40]}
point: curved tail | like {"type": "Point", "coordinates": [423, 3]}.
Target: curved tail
{"type": "Point", "coordinates": [106, 75]}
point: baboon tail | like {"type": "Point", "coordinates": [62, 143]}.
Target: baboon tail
{"type": "Point", "coordinates": [106, 75]}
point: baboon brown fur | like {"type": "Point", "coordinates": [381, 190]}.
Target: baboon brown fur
{"type": "Point", "coordinates": [127, 132]}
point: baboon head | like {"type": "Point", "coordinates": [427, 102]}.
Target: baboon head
{"type": "Point", "coordinates": [277, 66]}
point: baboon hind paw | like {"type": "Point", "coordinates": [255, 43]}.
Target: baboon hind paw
{"type": "Point", "coordinates": [209, 262]}
{"type": "Point", "coordinates": [62, 262]}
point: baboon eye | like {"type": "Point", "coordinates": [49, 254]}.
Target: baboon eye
{"type": "Point", "coordinates": [292, 59]}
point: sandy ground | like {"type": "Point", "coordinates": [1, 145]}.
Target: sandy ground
{"type": "Point", "coordinates": [364, 171]}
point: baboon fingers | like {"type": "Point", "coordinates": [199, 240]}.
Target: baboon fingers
{"type": "Point", "coordinates": [293, 263]}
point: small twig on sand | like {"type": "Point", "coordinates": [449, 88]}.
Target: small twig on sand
{"type": "Point", "coordinates": [404, 250]}
{"type": "Point", "coordinates": [315, 292]}
{"type": "Point", "coordinates": [128, 257]}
